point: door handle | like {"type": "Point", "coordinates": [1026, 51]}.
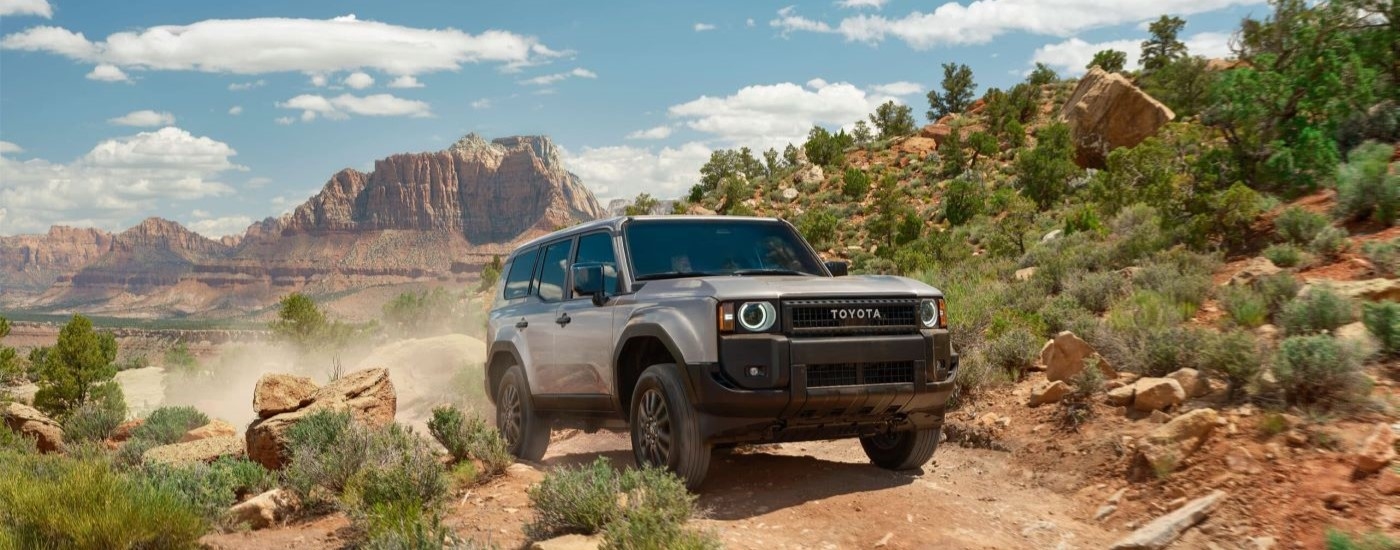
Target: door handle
{"type": "Point", "coordinates": [564, 319]}
{"type": "Point", "coordinates": [522, 324]}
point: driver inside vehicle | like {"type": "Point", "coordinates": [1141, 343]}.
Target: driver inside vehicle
{"type": "Point", "coordinates": [680, 263]}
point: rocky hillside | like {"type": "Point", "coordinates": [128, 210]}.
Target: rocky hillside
{"type": "Point", "coordinates": [435, 216]}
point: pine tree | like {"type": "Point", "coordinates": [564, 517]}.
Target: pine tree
{"type": "Point", "coordinates": [77, 369]}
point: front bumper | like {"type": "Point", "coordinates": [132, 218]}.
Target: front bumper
{"type": "Point", "coordinates": [770, 387]}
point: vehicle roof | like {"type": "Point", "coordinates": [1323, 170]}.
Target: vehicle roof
{"type": "Point", "coordinates": [615, 224]}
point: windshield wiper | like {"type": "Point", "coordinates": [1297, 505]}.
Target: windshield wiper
{"type": "Point", "coordinates": [741, 272]}
{"type": "Point", "coordinates": [672, 275]}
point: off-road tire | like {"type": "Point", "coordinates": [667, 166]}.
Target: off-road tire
{"type": "Point", "coordinates": [902, 450]}
{"type": "Point", "coordinates": [526, 433]}
{"type": "Point", "coordinates": [665, 429]}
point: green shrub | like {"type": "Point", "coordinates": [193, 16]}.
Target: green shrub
{"type": "Point", "coordinates": [1382, 319]}
{"type": "Point", "coordinates": [1338, 540]}
{"type": "Point", "coordinates": [855, 183]}
{"type": "Point", "coordinates": [1096, 292]}
{"type": "Point", "coordinates": [209, 489]}
{"type": "Point", "coordinates": [167, 425]}
{"type": "Point", "coordinates": [179, 360]}
{"type": "Point", "coordinates": [1385, 255]}
{"type": "Point", "coordinates": [1366, 190]}
{"type": "Point", "coordinates": [11, 441]}
{"type": "Point", "coordinates": [818, 226]}
{"type": "Point", "coordinates": [1172, 349]}
{"type": "Point", "coordinates": [1014, 350]}
{"type": "Point", "coordinates": [405, 526]}
{"type": "Point", "coordinates": [1329, 243]}
{"type": "Point", "coordinates": [963, 200]}
{"type": "Point", "coordinates": [470, 438]}
{"type": "Point", "coordinates": [1233, 357]}
{"type": "Point", "coordinates": [643, 528]}
{"type": "Point", "coordinates": [1062, 313]}
{"type": "Point", "coordinates": [586, 500]}
{"type": "Point", "coordinates": [326, 453]}
{"type": "Point", "coordinates": [1298, 226]}
{"type": "Point", "coordinates": [1137, 234]}
{"type": "Point", "coordinates": [1318, 370]}
{"type": "Point", "coordinates": [1246, 307]}
{"type": "Point", "coordinates": [58, 502]}
{"type": "Point", "coordinates": [1321, 309]}
{"type": "Point", "coordinates": [132, 450]}
{"type": "Point", "coordinates": [1278, 290]}
{"type": "Point", "coordinates": [1181, 276]}
{"type": "Point", "coordinates": [1284, 255]}
{"type": "Point", "coordinates": [93, 421]}
{"type": "Point", "coordinates": [401, 468]}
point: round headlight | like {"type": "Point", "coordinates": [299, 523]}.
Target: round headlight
{"type": "Point", "coordinates": [757, 316]}
{"type": "Point", "coordinates": [928, 313]}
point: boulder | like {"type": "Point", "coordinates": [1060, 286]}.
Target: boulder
{"type": "Point", "coordinates": [29, 422]}
{"type": "Point", "coordinates": [1064, 357]}
{"type": "Point", "coordinates": [1376, 451]}
{"type": "Point", "coordinates": [1049, 392]}
{"type": "Point", "coordinates": [203, 450]}
{"type": "Point", "coordinates": [1253, 270]}
{"type": "Point", "coordinates": [1375, 290]}
{"type": "Point", "coordinates": [1163, 531]}
{"type": "Point", "coordinates": [367, 395]}
{"type": "Point", "coordinates": [810, 174]}
{"type": "Point", "coordinates": [215, 428]}
{"type": "Point", "coordinates": [1192, 381]}
{"type": "Point", "coordinates": [264, 510]}
{"type": "Point", "coordinates": [1107, 111]}
{"type": "Point", "coordinates": [1162, 450]}
{"type": "Point", "coordinates": [1122, 396]}
{"type": "Point", "coordinates": [277, 393]}
{"type": "Point", "coordinates": [123, 431]}
{"type": "Point", "coordinates": [569, 542]}
{"type": "Point", "coordinates": [919, 145]}
{"type": "Point", "coordinates": [938, 132]}
{"type": "Point", "coordinates": [1154, 394]}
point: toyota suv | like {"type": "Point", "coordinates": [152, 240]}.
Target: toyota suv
{"type": "Point", "coordinates": [696, 332]}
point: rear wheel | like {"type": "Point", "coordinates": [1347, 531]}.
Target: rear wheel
{"type": "Point", "coordinates": [526, 434]}
{"type": "Point", "coordinates": [665, 430]}
{"type": "Point", "coordinates": [901, 450]}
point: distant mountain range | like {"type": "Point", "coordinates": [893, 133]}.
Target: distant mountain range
{"type": "Point", "coordinates": [417, 217]}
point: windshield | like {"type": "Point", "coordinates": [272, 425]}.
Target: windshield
{"type": "Point", "coordinates": [674, 248]}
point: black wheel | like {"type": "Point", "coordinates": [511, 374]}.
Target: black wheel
{"type": "Point", "coordinates": [665, 430]}
{"type": "Point", "coordinates": [901, 450]}
{"type": "Point", "coordinates": [526, 434]}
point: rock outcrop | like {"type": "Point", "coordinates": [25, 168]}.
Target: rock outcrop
{"type": "Point", "coordinates": [29, 422]}
{"type": "Point", "coordinates": [201, 450]}
{"type": "Point", "coordinates": [1107, 111]}
{"type": "Point", "coordinates": [1155, 394]}
{"type": "Point", "coordinates": [277, 393]}
{"type": "Point", "coordinates": [1050, 392]}
{"type": "Point", "coordinates": [264, 510]}
{"type": "Point", "coordinates": [215, 428]}
{"type": "Point", "coordinates": [1066, 355]}
{"type": "Point", "coordinates": [367, 395]}
{"type": "Point", "coordinates": [1162, 451]}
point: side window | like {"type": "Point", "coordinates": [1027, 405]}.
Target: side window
{"type": "Point", "coordinates": [553, 271]}
{"type": "Point", "coordinates": [518, 279]}
{"type": "Point", "coordinates": [597, 248]}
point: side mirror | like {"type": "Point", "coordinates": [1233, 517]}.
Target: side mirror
{"type": "Point", "coordinates": [838, 269]}
{"type": "Point", "coordinates": [589, 281]}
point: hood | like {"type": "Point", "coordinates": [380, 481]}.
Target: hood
{"type": "Point", "coordinates": [729, 287]}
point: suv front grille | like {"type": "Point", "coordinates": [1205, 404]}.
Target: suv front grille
{"type": "Point", "coordinates": [860, 374]}
{"type": "Point", "coordinates": [851, 316]}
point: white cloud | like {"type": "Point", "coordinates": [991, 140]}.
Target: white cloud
{"type": "Point", "coordinates": [235, 110]}
{"type": "Point", "coordinates": [344, 105]}
{"type": "Point", "coordinates": [1071, 56]}
{"type": "Point", "coordinates": [659, 132]}
{"type": "Point", "coordinates": [280, 44]}
{"type": "Point", "coordinates": [116, 182]}
{"type": "Point", "coordinates": [901, 88]}
{"type": "Point", "coordinates": [144, 118]}
{"type": "Point", "coordinates": [623, 171]}
{"type": "Point", "coordinates": [702, 27]}
{"type": "Point", "coordinates": [214, 228]}
{"type": "Point", "coordinates": [545, 80]}
{"type": "Point", "coordinates": [981, 21]}
{"type": "Point", "coordinates": [877, 4]}
{"type": "Point", "coordinates": [318, 80]}
{"type": "Point", "coordinates": [241, 86]}
{"type": "Point", "coordinates": [108, 73]}
{"type": "Point", "coordinates": [774, 115]}
{"type": "Point", "coordinates": [9, 148]}
{"type": "Point", "coordinates": [483, 103]}
{"type": "Point", "coordinates": [40, 8]}
{"type": "Point", "coordinates": [257, 182]}
{"type": "Point", "coordinates": [405, 81]}
{"type": "Point", "coordinates": [359, 80]}
{"type": "Point", "coordinates": [285, 120]}
{"type": "Point", "coordinates": [749, 22]}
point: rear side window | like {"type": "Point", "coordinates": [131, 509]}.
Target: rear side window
{"type": "Point", "coordinates": [518, 281]}
{"type": "Point", "coordinates": [553, 270]}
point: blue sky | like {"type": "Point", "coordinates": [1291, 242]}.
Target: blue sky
{"type": "Point", "coordinates": [217, 114]}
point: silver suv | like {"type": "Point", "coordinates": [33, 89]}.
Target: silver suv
{"type": "Point", "coordinates": [697, 332]}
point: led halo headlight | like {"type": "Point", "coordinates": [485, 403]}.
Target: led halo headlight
{"type": "Point", "coordinates": [928, 313]}
{"type": "Point", "coordinates": [757, 316]}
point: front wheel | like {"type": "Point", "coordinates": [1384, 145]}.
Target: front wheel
{"type": "Point", "coordinates": [665, 430]}
{"type": "Point", "coordinates": [526, 434]}
{"type": "Point", "coordinates": [901, 450]}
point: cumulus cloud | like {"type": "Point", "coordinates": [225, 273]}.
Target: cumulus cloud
{"type": "Point", "coordinates": [144, 119]}
{"type": "Point", "coordinates": [545, 80]}
{"type": "Point", "coordinates": [877, 4]}
{"type": "Point", "coordinates": [280, 44]}
{"type": "Point", "coordinates": [1071, 56]}
{"type": "Point", "coordinates": [235, 110]}
{"type": "Point", "coordinates": [359, 80]}
{"type": "Point", "coordinates": [108, 73]}
{"type": "Point", "coordinates": [773, 115]}
{"type": "Point", "coordinates": [7, 148]}
{"type": "Point", "coordinates": [115, 183]}
{"type": "Point", "coordinates": [901, 88]}
{"type": "Point", "coordinates": [702, 27]}
{"type": "Point", "coordinates": [40, 8]}
{"type": "Point", "coordinates": [981, 21]}
{"type": "Point", "coordinates": [215, 228]}
{"type": "Point", "coordinates": [659, 132]}
{"type": "Point", "coordinates": [241, 86]}
{"type": "Point", "coordinates": [405, 81]}
{"type": "Point", "coordinates": [344, 105]}
{"type": "Point", "coordinates": [624, 171]}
